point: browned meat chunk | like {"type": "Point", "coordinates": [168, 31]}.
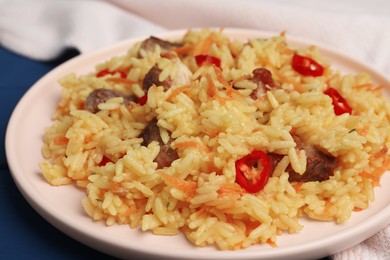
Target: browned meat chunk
{"type": "Point", "coordinates": [183, 76]}
{"type": "Point", "coordinates": [151, 78]}
{"type": "Point", "coordinates": [320, 166]}
{"type": "Point", "coordinates": [274, 160]}
{"type": "Point", "coordinates": [166, 155]}
{"type": "Point", "coordinates": [101, 95]}
{"type": "Point", "coordinates": [263, 79]}
{"type": "Point", "coordinates": [149, 45]}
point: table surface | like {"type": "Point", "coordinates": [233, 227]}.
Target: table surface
{"type": "Point", "coordinates": [24, 233]}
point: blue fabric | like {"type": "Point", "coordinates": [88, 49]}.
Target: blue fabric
{"type": "Point", "coordinates": [24, 234]}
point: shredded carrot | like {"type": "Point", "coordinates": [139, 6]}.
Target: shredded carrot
{"type": "Point", "coordinates": [187, 187]}
{"type": "Point", "coordinates": [328, 205]}
{"type": "Point", "coordinates": [203, 211]}
{"type": "Point", "coordinates": [283, 33]}
{"type": "Point", "coordinates": [287, 51]}
{"type": "Point", "coordinates": [222, 100]}
{"type": "Point", "coordinates": [283, 49]}
{"type": "Point", "coordinates": [362, 86]}
{"type": "Point", "coordinates": [362, 131]}
{"type": "Point", "coordinates": [373, 178]}
{"type": "Point", "coordinates": [118, 190]}
{"type": "Point", "coordinates": [250, 226]}
{"type": "Point", "coordinates": [101, 193]}
{"type": "Point", "coordinates": [297, 186]}
{"type": "Point", "coordinates": [60, 107]}
{"type": "Point", "coordinates": [192, 144]}
{"type": "Point", "coordinates": [271, 243]}
{"type": "Point", "coordinates": [213, 167]}
{"type": "Point", "coordinates": [356, 209]}
{"type": "Point", "coordinates": [120, 81]}
{"type": "Point", "coordinates": [377, 174]}
{"type": "Point", "coordinates": [88, 138]}
{"type": "Point", "coordinates": [124, 69]}
{"type": "Point", "coordinates": [81, 105]}
{"type": "Point", "coordinates": [227, 189]}
{"type": "Point", "coordinates": [177, 91]}
{"type": "Point", "coordinates": [81, 183]}
{"type": "Point", "coordinates": [185, 49]}
{"type": "Point", "coordinates": [116, 110]}
{"type": "Point", "coordinates": [211, 90]}
{"type": "Point", "coordinates": [204, 47]}
{"type": "Point", "coordinates": [368, 87]}
{"type": "Point", "coordinates": [229, 89]}
{"type": "Point", "coordinates": [382, 152]}
{"type": "Point", "coordinates": [115, 187]}
{"type": "Point", "coordinates": [129, 211]}
{"type": "Point", "coordinates": [60, 140]}
{"type": "Point", "coordinates": [378, 88]}
{"type": "Point", "coordinates": [211, 133]}
{"type": "Point", "coordinates": [293, 131]}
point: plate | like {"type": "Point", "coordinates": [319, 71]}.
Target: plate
{"type": "Point", "coordinates": [61, 206]}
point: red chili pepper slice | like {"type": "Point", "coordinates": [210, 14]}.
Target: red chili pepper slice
{"type": "Point", "coordinates": [306, 66]}
{"type": "Point", "coordinates": [207, 59]}
{"type": "Point", "coordinates": [253, 171]}
{"type": "Point", "coordinates": [142, 100]}
{"type": "Point", "coordinates": [105, 72]}
{"type": "Point", "coordinates": [340, 105]}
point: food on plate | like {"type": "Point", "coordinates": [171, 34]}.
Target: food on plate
{"type": "Point", "coordinates": [232, 142]}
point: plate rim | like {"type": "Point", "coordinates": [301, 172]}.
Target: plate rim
{"type": "Point", "coordinates": [76, 232]}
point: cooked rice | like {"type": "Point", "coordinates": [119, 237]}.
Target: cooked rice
{"type": "Point", "coordinates": [197, 194]}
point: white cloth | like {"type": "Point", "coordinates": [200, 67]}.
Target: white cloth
{"type": "Point", "coordinates": [42, 29]}
{"type": "Point", "coordinates": [376, 247]}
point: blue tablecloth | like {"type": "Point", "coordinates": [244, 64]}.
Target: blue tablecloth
{"type": "Point", "coordinates": [24, 234]}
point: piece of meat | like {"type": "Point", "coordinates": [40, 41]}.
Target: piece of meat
{"type": "Point", "coordinates": [263, 79]}
{"type": "Point", "coordinates": [320, 165]}
{"type": "Point", "coordinates": [101, 95]}
{"type": "Point", "coordinates": [152, 78]}
{"type": "Point", "coordinates": [166, 155]}
{"type": "Point", "coordinates": [149, 45]}
{"type": "Point", "coordinates": [183, 76]}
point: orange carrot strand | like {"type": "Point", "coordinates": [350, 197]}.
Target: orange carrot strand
{"type": "Point", "coordinates": [229, 89]}
{"type": "Point", "coordinates": [60, 140]}
{"type": "Point", "coordinates": [187, 187]}
{"type": "Point", "coordinates": [211, 90]}
{"type": "Point", "coordinates": [120, 81]}
{"type": "Point", "coordinates": [192, 144]}
{"type": "Point", "coordinates": [177, 91]}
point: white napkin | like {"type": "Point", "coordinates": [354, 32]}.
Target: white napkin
{"type": "Point", "coordinates": [376, 247]}
{"type": "Point", "coordinates": [42, 29]}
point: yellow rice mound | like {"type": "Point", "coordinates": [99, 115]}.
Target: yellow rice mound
{"type": "Point", "coordinates": [197, 194]}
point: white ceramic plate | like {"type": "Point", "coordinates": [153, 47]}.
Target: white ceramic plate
{"type": "Point", "coordinates": [61, 206]}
